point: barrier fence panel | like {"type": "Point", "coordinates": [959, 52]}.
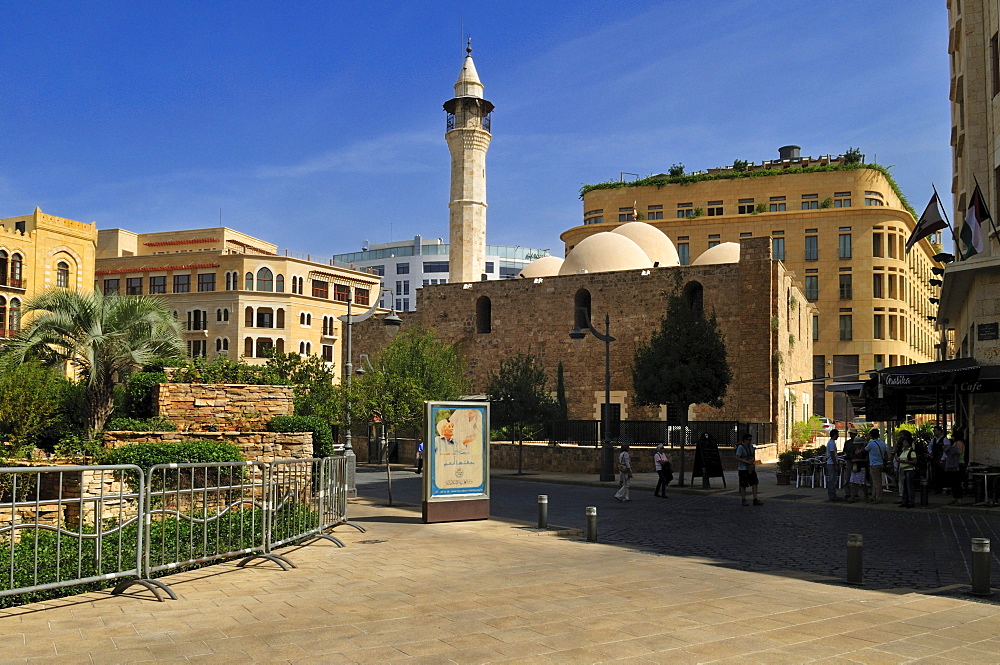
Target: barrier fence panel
{"type": "Point", "coordinates": [204, 512]}
{"type": "Point", "coordinates": [70, 525]}
{"type": "Point", "coordinates": [297, 505]}
{"type": "Point", "coordinates": [335, 494]}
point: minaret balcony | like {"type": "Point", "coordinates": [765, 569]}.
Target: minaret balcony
{"type": "Point", "coordinates": [466, 121]}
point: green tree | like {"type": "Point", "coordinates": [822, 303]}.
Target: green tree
{"type": "Point", "coordinates": [31, 400]}
{"type": "Point", "coordinates": [853, 156]}
{"type": "Point", "coordinates": [104, 338]}
{"type": "Point", "coordinates": [519, 398]}
{"type": "Point", "coordinates": [676, 169]}
{"type": "Point", "coordinates": [740, 165]}
{"type": "Point", "coordinates": [562, 407]}
{"type": "Point", "coordinates": [684, 362]}
{"type": "Point", "coordinates": [415, 367]}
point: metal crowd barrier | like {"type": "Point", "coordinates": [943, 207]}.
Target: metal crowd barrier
{"type": "Point", "coordinates": [70, 525]}
{"type": "Point", "coordinates": [335, 490]}
{"type": "Point", "coordinates": [73, 525]}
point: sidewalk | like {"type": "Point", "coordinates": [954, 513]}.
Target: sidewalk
{"type": "Point", "coordinates": [769, 489]}
{"type": "Point", "coordinates": [496, 591]}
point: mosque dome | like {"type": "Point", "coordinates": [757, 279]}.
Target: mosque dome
{"type": "Point", "coordinates": [605, 252]}
{"type": "Point", "coordinates": [727, 252]}
{"type": "Point", "coordinates": [547, 266]}
{"type": "Point", "coordinates": [653, 242]}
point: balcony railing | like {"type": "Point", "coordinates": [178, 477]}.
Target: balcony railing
{"type": "Point", "coordinates": [19, 284]}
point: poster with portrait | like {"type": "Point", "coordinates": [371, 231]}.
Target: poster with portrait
{"type": "Point", "coordinates": [457, 451]}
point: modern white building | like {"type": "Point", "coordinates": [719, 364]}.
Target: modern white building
{"type": "Point", "coordinates": [408, 265]}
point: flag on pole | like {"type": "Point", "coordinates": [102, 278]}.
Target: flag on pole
{"type": "Point", "coordinates": [970, 237]}
{"type": "Point", "coordinates": [930, 222]}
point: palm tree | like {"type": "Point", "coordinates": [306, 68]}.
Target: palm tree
{"type": "Point", "coordinates": [105, 338]}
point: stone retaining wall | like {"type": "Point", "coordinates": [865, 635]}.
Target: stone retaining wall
{"type": "Point", "coordinates": [224, 407]}
{"type": "Point", "coordinates": [255, 446]}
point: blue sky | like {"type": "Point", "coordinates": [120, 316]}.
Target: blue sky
{"type": "Point", "coordinates": [318, 125]}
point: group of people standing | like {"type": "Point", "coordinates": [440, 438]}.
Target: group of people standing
{"type": "Point", "coordinates": [942, 463]}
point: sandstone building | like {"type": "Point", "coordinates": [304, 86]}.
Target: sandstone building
{"type": "Point", "coordinates": [40, 252]}
{"type": "Point", "coordinates": [233, 293]}
{"type": "Point", "coordinates": [839, 231]}
{"type": "Point", "coordinates": [762, 313]}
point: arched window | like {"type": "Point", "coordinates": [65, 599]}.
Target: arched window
{"type": "Point", "coordinates": [3, 267]}
{"type": "Point", "coordinates": [225, 315]}
{"type": "Point", "coordinates": [248, 347]}
{"type": "Point", "coordinates": [326, 324]}
{"type": "Point", "coordinates": [280, 346]}
{"type": "Point", "coordinates": [694, 296]}
{"type": "Point", "coordinates": [309, 348]}
{"type": "Point", "coordinates": [15, 270]}
{"type": "Point", "coordinates": [218, 315]}
{"type": "Point", "coordinates": [309, 318]}
{"type": "Point", "coordinates": [280, 319]}
{"type": "Point", "coordinates": [248, 282]}
{"type": "Point", "coordinates": [3, 315]}
{"type": "Point", "coordinates": [279, 283]}
{"type": "Point", "coordinates": [302, 348]}
{"type": "Point", "coordinates": [62, 275]}
{"type": "Point", "coordinates": [265, 280]}
{"type": "Point", "coordinates": [302, 318]}
{"type": "Point", "coordinates": [15, 315]}
{"type": "Point", "coordinates": [484, 315]}
{"type": "Point", "coordinates": [225, 343]}
{"type": "Point", "coordinates": [218, 344]}
{"type": "Point", "coordinates": [229, 281]}
{"type": "Point", "coordinates": [248, 317]}
{"type": "Point", "coordinates": [581, 300]}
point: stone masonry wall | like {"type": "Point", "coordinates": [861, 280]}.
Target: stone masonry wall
{"type": "Point", "coordinates": [256, 446]}
{"type": "Point", "coordinates": [536, 318]}
{"type": "Point", "coordinates": [226, 408]}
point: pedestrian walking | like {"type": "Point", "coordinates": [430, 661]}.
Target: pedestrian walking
{"type": "Point", "coordinates": [907, 472]}
{"type": "Point", "coordinates": [878, 455]}
{"type": "Point", "coordinates": [859, 473]}
{"type": "Point", "coordinates": [832, 466]}
{"type": "Point", "coordinates": [746, 463]}
{"type": "Point", "coordinates": [936, 465]}
{"type": "Point", "coordinates": [420, 457]}
{"type": "Point", "coordinates": [954, 460]}
{"type": "Point", "coordinates": [625, 470]}
{"type": "Point", "coordinates": [663, 471]}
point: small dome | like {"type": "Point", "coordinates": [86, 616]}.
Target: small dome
{"type": "Point", "coordinates": [727, 252]}
{"type": "Point", "coordinates": [547, 266]}
{"type": "Point", "coordinates": [653, 241]}
{"type": "Point", "coordinates": [605, 252]}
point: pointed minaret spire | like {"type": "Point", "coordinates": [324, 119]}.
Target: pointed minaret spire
{"type": "Point", "coordinates": [468, 136]}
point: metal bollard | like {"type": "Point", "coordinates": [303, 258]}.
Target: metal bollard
{"type": "Point", "coordinates": [981, 567]}
{"type": "Point", "coordinates": [591, 524]}
{"type": "Point", "coordinates": [924, 491]}
{"type": "Point", "coordinates": [854, 545]}
{"type": "Point", "coordinates": [543, 511]}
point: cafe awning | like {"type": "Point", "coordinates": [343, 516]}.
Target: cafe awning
{"type": "Point", "coordinates": [897, 392]}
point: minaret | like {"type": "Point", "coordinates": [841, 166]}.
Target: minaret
{"type": "Point", "coordinates": [468, 137]}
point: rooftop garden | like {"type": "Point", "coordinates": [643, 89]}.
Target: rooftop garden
{"type": "Point", "coordinates": [689, 178]}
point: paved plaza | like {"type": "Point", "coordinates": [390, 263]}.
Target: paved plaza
{"type": "Point", "coordinates": [500, 591]}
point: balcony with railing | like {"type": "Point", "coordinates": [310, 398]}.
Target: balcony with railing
{"type": "Point", "coordinates": [18, 284]}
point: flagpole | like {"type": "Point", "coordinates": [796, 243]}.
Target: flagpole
{"type": "Point", "coordinates": [992, 223]}
{"type": "Point", "coordinates": [950, 229]}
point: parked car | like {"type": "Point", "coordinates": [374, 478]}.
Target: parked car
{"type": "Point", "coordinates": [826, 424]}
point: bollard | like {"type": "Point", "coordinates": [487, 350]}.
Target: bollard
{"type": "Point", "coordinates": [854, 543]}
{"type": "Point", "coordinates": [981, 567]}
{"type": "Point", "coordinates": [543, 511]}
{"type": "Point", "coordinates": [591, 524]}
{"type": "Point", "coordinates": [924, 491]}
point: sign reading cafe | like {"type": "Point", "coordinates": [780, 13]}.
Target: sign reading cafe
{"type": "Point", "coordinates": [457, 452]}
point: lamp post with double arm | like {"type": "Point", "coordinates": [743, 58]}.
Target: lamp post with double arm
{"type": "Point", "coordinates": [392, 323]}
{"type": "Point", "coordinates": [578, 335]}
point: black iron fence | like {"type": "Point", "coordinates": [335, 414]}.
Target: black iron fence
{"type": "Point", "coordinates": [652, 432]}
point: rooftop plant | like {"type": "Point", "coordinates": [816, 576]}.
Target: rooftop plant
{"type": "Point", "coordinates": [690, 178]}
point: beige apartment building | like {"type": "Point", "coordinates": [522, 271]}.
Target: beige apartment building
{"type": "Point", "coordinates": [839, 231]}
{"type": "Point", "coordinates": [233, 293]}
{"type": "Point", "coordinates": [40, 252]}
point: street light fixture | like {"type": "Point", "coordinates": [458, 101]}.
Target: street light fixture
{"type": "Point", "coordinates": [392, 323]}
{"type": "Point", "coordinates": [578, 335]}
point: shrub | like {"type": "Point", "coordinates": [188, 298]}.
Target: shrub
{"type": "Point", "coordinates": [786, 461]}
{"type": "Point", "coordinates": [156, 424]}
{"type": "Point", "coordinates": [146, 455]}
{"type": "Point", "coordinates": [137, 399]}
{"type": "Point", "coordinates": [322, 434]}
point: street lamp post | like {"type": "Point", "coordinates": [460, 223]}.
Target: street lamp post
{"type": "Point", "coordinates": [577, 335]}
{"type": "Point", "coordinates": [392, 323]}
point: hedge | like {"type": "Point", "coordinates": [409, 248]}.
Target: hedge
{"type": "Point", "coordinates": [321, 431]}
